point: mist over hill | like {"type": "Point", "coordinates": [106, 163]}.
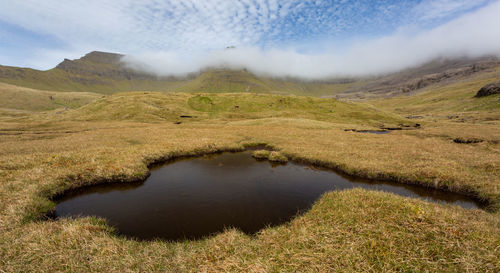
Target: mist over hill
{"type": "Point", "coordinates": [108, 73]}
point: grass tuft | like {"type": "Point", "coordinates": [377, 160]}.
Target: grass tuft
{"type": "Point", "coordinates": [277, 157]}
{"type": "Point", "coordinates": [261, 154]}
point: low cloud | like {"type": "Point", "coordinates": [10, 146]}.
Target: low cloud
{"type": "Point", "coordinates": [472, 35]}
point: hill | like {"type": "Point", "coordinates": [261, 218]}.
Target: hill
{"type": "Point", "coordinates": [98, 72]}
{"type": "Point", "coordinates": [439, 72]}
{"type": "Point", "coordinates": [442, 87]}
{"type": "Point", "coordinates": [14, 97]}
{"type": "Point", "coordinates": [450, 100]}
{"type": "Point", "coordinates": [225, 80]}
{"type": "Point", "coordinates": [228, 107]}
{"type": "Point", "coordinates": [104, 73]}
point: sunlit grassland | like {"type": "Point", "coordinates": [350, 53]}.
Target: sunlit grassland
{"type": "Point", "coordinates": [454, 101]}
{"type": "Point", "coordinates": [63, 81]}
{"type": "Point", "coordinates": [208, 107]}
{"type": "Point", "coordinates": [27, 99]}
{"type": "Point", "coordinates": [213, 81]}
{"type": "Point", "coordinates": [115, 138]}
{"type": "Point", "coordinates": [230, 81]}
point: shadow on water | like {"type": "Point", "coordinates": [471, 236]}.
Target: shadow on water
{"type": "Point", "coordinates": [194, 198]}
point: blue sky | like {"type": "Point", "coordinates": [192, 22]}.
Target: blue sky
{"type": "Point", "coordinates": [190, 33]}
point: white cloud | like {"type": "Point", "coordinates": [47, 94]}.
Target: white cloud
{"type": "Point", "coordinates": [178, 25]}
{"type": "Point", "coordinates": [181, 36]}
{"type": "Point", "coordinates": [436, 9]}
{"type": "Point", "coordinates": [471, 35]}
{"type": "Point", "coordinates": [142, 25]}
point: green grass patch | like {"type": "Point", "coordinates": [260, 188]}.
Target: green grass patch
{"type": "Point", "coordinates": [277, 157]}
{"type": "Point", "coordinates": [261, 154]}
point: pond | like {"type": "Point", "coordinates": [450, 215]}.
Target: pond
{"type": "Point", "coordinates": [197, 197]}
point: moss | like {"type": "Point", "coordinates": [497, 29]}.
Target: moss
{"type": "Point", "coordinates": [261, 154]}
{"type": "Point", "coordinates": [277, 157]}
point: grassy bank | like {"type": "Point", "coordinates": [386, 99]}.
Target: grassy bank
{"type": "Point", "coordinates": [206, 108]}
{"type": "Point", "coordinates": [351, 230]}
{"type": "Point", "coordinates": [356, 230]}
{"type": "Point", "coordinates": [21, 98]}
{"type": "Point", "coordinates": [41, 162]}
{"type": "Point", "coordinates": [453, 102]}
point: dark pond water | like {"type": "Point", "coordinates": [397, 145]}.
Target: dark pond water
{"type": "Point", "coordinates": [194, 198]}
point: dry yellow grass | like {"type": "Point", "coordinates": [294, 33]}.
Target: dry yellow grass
{"type": "Point", "coordinates": [261, 154]}
{"type": "Point", "coordinates": [277, 157]}
{"type": "Point", "coordinates": [22, 98]}
{"type": "Point", "coordinates": [353, 230]}
{"type": "Point", "coordinates": [453, 102]}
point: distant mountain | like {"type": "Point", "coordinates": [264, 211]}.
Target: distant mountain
{"type": "Point", "coordinates": [99, 72]}
{"type": "Point", "coordinates": [439, 71]}
{"type": "Point", "coordinates": [103, 72]}
{"type": "Point", "coordinates": [100, 64]}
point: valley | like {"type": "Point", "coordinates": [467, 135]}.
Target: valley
{"type": "Point", "coordinates": [89, 122]}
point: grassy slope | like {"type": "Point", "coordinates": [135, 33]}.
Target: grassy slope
{"type": "Point", "coordinates": [22, 98]}
{"type": "Point", "coordinates": [59, 80]}
{"type": "Point", "coordinates": [224, 81]}
{"type": "Point", "coordinates": [455, 99]}
{"type": "Point", "coordinates": [157, 107]}
{"type": "Point", "coordinates": [451, 111]}
{"type": "Point", "coordinates": [105, 73]}
{"type": "Point", "coordinates": [352, 230]}
{"type": "Point", "coordinates": [210, 81]}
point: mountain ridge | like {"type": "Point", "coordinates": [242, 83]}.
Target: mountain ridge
{"type": "Point", "coordinates": [104, 72]}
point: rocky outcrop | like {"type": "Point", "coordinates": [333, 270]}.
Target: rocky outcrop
{"type": "Point", "coordinates": [102, 65]}
{"type": "Point", "coordinates": [419, 78]}
{"type": "Point", "coordinates": [488, 90]}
